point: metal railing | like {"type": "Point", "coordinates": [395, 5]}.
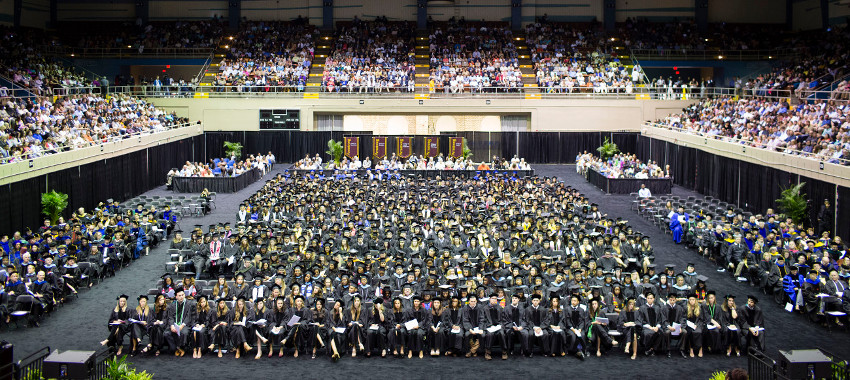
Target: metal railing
{"type": "Point", "coordinates": [747, 143]}
{"type": "Point", "coordinates": [111, 139]}
{"type": "Point", "coordinates": [762, 367]}
{"type": "Point", "coordinates": [127, 52]}
{"type": "Point", "coordinates": [686, 54]}
{"type": "Point", "coordinates": [32, 366]}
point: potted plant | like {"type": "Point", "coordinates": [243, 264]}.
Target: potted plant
{"type": "Point", "coordinates": [466, 152]}
{"type": "Point", "coordinates": [335, 150]}
{"type": "Point", "coordinates": [793, 203]}
{"type": "Point", "coordinates": [52, 204]}
{"type": "Point", "coordinates": [607, 150]}
{"type": "Point", "coordinates": [233, 149]}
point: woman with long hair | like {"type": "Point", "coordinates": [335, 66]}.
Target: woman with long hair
{"type": "Point", "coordinates": [198, 340]}
{"type": "Point", "coordinates": [695, 323]}
{"type": "Point", "coordinates": [156, 330]}
{"type": "Point", "coordinates": [355, 320]}
{"type": "Point", "coordinates": [318, 333]}
{"type": "Point", "coordinates": [376, 328]}
{"type": "Point", "coordinates": [437, 332]}
{"type": "Point", "coordinates": [277, 320]}
{"type": "Point", "coordinates": [453, 326]}
{"type": "Point", "coordinates": [221, 290]}
{"type": "Point", "coordinates": [139, 328]}
{"type": "Point", "coordinates": [557, 328]}
{"type": "Point", "coordinates": [597, 334]}
{"type": "Point", "coordinates": [118, 324]}
{"type": "Point", "coordinates": [239, 331]}
{"type": "Point", "coordinates": [627, 325]}
{"type": "Point", "coordinates": [731, 326]}
{"type": "Point", "coordinates": [397, 332]}
{"type": "Point", "coordinates": [219, 325]}
{"type": "Point", "coordinates": [299, 331]}
{"type": "Point", "coordinates": [261, 316]}
{"type": "Point", "coordinates": [336, 330]}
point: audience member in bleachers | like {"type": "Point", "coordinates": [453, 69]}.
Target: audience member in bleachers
{"type": "Point", "coordinates": [621, 165]}
{"type": "Point", "coordinates": [226, 167]}
{"type": "Point", "coordinates": [469, 57]}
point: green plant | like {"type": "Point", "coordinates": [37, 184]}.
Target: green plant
{"type": "Point", "coordinates": [52, 204]}
{"type": "Point", "coordinates": [608, 149]}
{"type": "Point", "coordinates": [466, 152]}
{"type": "Point", "coordinates": [793, 203]}
{"type": "Point", "coordinates": [718, 375]}
{"type": "Point", "coordinates": [32, 374]}
{"type": "Point", "coordinates": [119, 369]}
{"type": "Point", "coordinates": [233, 149]}
{"type": "Point", "coordinates": [335, 149]}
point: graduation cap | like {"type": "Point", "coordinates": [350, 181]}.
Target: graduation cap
{"type": "Point", "coordinates": [702, 278]}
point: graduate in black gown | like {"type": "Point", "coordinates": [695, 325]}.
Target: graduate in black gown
{"type": "Point", "coordinates": [179, 317]}
{"type": "Point", "coordinates": [453, 323]}
{"type": "Point", "coordinates": [695, 324]}
{"type": "Point", "coordinates": [628, 324]}
{"type": "Point", "coordinates": [397, 332]}
{"type": "Point", "coordinates": [318, 333]}
{"type": "Point", "coordinates": [336, 330]}
{"type": "Point", "coordinates": [653, 322]}
{"type": "Point", "coordinates": [437, 331]}
{"type": "Point", "coordinates": [557, 328]}
{"type": "Point", "coordinates": [576, 321]}
{"type": "Point", "coordinates": [143, 317]}
{"type": "Point", "coordinates": [259, 325]}
{"type": "Point", "coordinates": [713, 323]}
{"type": "Point", "coordinates": [356, 320]}
{"type": "Point", "coordinates": [597, 333]}
{"type": "Point", "coordinates": [473, 330]}
{"type": "Point", "coordinates": [514, 324]}
{"type": "Point", "coordinates": [752, 324]}
{"type": "Point", "coordinates": [118, 325]}
{"type": "Point", "coordinates": [299, 331]}
{"type": "Point", "coordinates": [240, 331]}
{"type": "Point", "coordinates": [200, 330]}
{"type": "Point", "coordinates": [537, 320]}
{"type": "Point", "coordinates": [376, 328]}
{"type": "Point", "coordinates": [277, 325]}
{"type": "Point", "coordinates": [416, 336]}
{"type": "Point", "coordinates": [492, 320]}
{"type": "Point", "coordinates": [731, 321]}
{"type": "Point", "coordinates": [219, 327]}
{"type": "Point", "coordinates": [157, 328]}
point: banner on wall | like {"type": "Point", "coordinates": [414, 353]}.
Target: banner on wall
{"type": "Point", "coordinates": [404, 147]}
{"type": "Point", "coordinates": [379, 147]}
{"type": "Point", "coordinates": [352, 146]}
{"type": "Point", "coordinates": [432, 146]}
{"type": "Point", "coordinates": [456, 147]}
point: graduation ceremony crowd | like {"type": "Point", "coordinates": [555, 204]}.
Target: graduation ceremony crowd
{"type": "Point", "coordinates": [46, 266]}
{"type": "Point", "coordinates": [621, 165]}
{"type": "Point", "coordinates": [804, 269]}
{"type": "Point", "coordinates": [410, 267]}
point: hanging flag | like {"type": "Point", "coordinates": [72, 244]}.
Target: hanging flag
{"type": "Point", "coordinates": [404, 146]}
{"type": "Point", "coordinates": [456, 147]}
{"type": "Point", "coordinates": [432, 146]}
{"type": "Point", "coordinates": [352, 146]}
{"type": "Point", "coordinates": [379, 147]}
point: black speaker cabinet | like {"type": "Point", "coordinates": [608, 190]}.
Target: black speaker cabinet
{"type": "Point", "coordinates": [802, 364]}
{"type": "Point", "coordinates": [69, 364]}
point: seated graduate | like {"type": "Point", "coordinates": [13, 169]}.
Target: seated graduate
{"type": "Point", "coordinates": [653, 323]}
{"type": "Point", "coordinates": [157, 327]}
{"type": "Point", "coordinates": [473, 331]}
{"type": "Point", "coordinates": [597, 333]}
{"type": "Point", "coordinates": [219, 326]}
{"type": "Point", "coordinates": [792, 284]}
{"type": "Point", "coordinates": [240, 330]}
{"type": "Point", "coordinates": [494, 328]}
{"type": "Point", "coordinates": [336, 330]}
{"type": "Point", "coordinates": [557, 328]}
{"type": "Point", "coordinates": [301, 329]}
{"type": "Point", "coordinates": [318, 333]}
{"type": "Point", "coordinates": [356, 320]}
{"type": "Point", "coordinates": [179, 319]}
{"type": "Point", "coordinates": [628, 324]}
{"type": "Point", "coordinates": [453, 322]}
{"type": "Point", "coordinates": [713, 323]}
{"type": "Point", "coordinates": [200, 331]}
{"type": "Point", "coordinates": [537, 320]}
{"type": "Point", "coordinates": [576, 323]}
{"type": "Point", "coordinates": [731, 321]}
{"type": "Point", "coordinates": [376, 327]}
{"type": "Point", "coordinates": [277, 325]}
{"type": "Point", "coordinates": [514, 324]}
{"type": "Point", "coordinates": [118, 324]}
{"type": "Point", "coordinates": [752, 324]}
{"type": "Point", "coordinates": [416, 334]}
{"type": "Point", "coordinates": [143, 317]}
{"type": "Point", "coordinates": [695, 324]}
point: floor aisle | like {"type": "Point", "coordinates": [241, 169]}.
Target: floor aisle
{"type": "Point", "coordinates": [82, 323]}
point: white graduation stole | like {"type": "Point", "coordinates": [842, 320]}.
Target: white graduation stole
{"type": "Point", "coordinates": [215, 250]}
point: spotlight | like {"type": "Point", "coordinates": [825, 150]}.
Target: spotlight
{"type": "Point", "coordinates": [719, 57]}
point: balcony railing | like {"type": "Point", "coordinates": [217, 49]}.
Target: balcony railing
{"type": "Point", "coordinates": [666, 54]}
{"type": "Point", "coordinates": [127, 52]}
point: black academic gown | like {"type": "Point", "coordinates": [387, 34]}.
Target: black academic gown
{"type": "Point", "coordinates": [576, 318]}
{"type": "Point", "coordinates": [713, 335]}
{"type": "Point", "coordinates": [453, 337]}
{"type": "Point", "coordinates": [493, 318]}
{"type": "Point", "coordinates": [200, 330]}
{"type": "Point", "coordinates": [298, 333]}
{"type": "Point", "coordinates": [183, 320]}
{"type": "Point", "coordinates": [239, 329]}
{"type": "Point", "coordinates": [537, 318]}
{"type": "Point", "coordinates": [356, 326]}
{"type": "Point", "coordinates": [416, 337]}
{"type": "Point", "coordinates": [397, 331]}
{"type": "Point", "coordinates": [652, 317]}
{"type": "Point", "coordinates": [471, 320]}
{"type": "Point", "coordinates": [117, 330]}
{"type": "Point", "coordinates": [514, 327]}
{"type": "Point", "coordinates": [751, 318]}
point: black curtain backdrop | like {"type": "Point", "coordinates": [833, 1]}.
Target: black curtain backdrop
{"type": "Point", "coordinates": [752, 187]}
{"type": "Point", "coordinates": [119, 178]}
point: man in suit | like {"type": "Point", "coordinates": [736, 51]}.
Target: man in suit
{"type": "Point", "coordinates": [514, 324]}
{"type": "Point", "coordinates": [178, 318]}
{"type": "Point", "coordinates": [836, 288]}
{"type": "Point", "coordinates": [537, 320]}
{"type": "Point", "coordinates": [493, 317]}
{"type": "Point", "coordinates": [654, 322]}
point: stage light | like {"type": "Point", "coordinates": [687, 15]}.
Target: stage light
{"type": "Point", "coordinates": [719, 57]}
{"type": "Point", "coordinates": [362, 101]}
{"type": "Point", "coordinates": [128, 46]}
{"type": "Point", "coordinates": [488, 102]}
{"type": "Point", "coordinates": [421, 102]}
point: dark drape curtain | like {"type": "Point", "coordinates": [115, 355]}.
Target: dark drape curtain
{"type": "Point", "coordinates": [816, 192]}
{"type": "Point", "coordinates": [119, 178]}
{"type": "Point", "coordinates": [842, 211]}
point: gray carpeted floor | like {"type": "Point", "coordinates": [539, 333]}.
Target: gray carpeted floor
{"type": "Point", "coordinates": [81, 324]}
